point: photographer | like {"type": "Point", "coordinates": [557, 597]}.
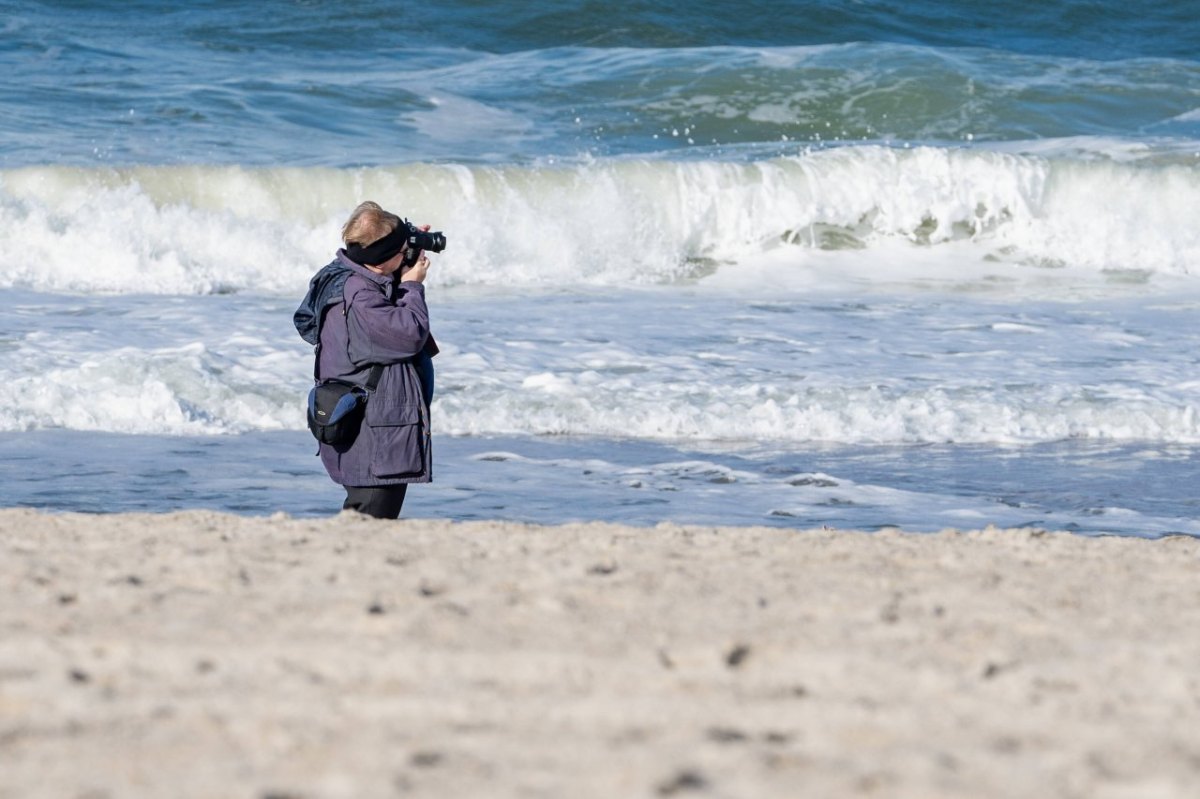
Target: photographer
{"type": "Point", "coordinates": [366, 314]}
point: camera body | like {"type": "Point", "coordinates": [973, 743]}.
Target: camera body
{"type": "Point", "coordinates": [421, 240]}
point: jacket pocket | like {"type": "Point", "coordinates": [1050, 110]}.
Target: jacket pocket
{"type": "Point", "coordinates": [398, 441]}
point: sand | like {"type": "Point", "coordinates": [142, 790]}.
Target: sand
{"type": "Point", "coordinates": [206, 655]}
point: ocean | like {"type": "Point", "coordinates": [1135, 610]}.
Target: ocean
{"type": "Point", "coordinates": [859, 264]}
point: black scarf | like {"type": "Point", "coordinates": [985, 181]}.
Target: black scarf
{"type": "Point", "coordinates": [381, 251]}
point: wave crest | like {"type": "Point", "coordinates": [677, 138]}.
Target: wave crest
{"type": "Point", "coordinates": [202, 230]}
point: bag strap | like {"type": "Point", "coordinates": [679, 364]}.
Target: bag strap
{"type": "Point", "coordinates": [373, 378]}
{"type": "Point", "coordinates": [376, 370]}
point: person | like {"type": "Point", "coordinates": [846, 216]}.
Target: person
{"type": "Point", "coordinates": [367, 309]}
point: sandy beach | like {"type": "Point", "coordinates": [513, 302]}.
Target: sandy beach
{"type": "Point", "coordinates": [205, 655]}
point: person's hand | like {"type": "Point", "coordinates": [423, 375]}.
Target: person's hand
{"type": "Point", "coordinates": [417, 271]}
{"type": "Point", "coordinates": [422, 264]}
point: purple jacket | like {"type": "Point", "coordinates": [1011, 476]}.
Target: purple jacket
{"type": "Point", "coordinates": [380, 321]}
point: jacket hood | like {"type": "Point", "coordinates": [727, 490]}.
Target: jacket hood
{"type": "Point", "coordinates": [325, 288]}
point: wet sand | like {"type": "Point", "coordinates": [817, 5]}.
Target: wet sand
{"type": "Point", "coordinates": [207, 655]}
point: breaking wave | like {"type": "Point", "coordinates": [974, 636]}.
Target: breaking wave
{"type": "Point", "coordinates": [216, 229]}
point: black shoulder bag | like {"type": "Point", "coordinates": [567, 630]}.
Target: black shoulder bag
{"type": "Point", "coordinates": [336, 408]}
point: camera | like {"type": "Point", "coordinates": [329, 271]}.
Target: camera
{"type": "Point", "coordinates": [421, 240]}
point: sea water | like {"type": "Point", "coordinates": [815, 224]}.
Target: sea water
{"type": "Point", "coordinates": [767, 263]}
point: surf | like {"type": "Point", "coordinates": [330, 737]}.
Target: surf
{"type": "Point", "coordinates": [194, 230]}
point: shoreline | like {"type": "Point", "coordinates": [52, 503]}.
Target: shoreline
{"type": "Point", "coordinates": [206, 654]}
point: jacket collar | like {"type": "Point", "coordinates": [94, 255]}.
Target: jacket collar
{"type": "Point", "coordinates": [358, 269]}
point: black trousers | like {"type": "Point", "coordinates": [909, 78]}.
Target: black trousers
{"type": "Point", "coordinates": [382, 502]}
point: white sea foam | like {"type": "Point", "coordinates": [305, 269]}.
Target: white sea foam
{"type": "Point", "coordinates": [637, 366]}
{"type": "Point", "coordinates": [747, 351]}
{"type": "Point", "coordinates": [194, 366]}
{"type": "Point", "coordinates": [186, 390]}
{"type": "Point", "coordinates": [588, 404]}
{"type": "Point", "coordinates": [203, 230]}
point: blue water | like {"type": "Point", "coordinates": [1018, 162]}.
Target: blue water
{"type": "Point", "coordinates": [553, 480]}
{"type": "Point", "coordinates": [318, 84]}
{"type": "Point", "coordinates": [799, 263]}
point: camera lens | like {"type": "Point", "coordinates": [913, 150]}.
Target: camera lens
{"type": "Point", "coordinates": [434, 241]}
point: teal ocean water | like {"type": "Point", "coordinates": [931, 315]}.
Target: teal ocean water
{"type": "Point", "coordinates": [797, 263]}
{"type": "Point", "coordinates": [375, 84]}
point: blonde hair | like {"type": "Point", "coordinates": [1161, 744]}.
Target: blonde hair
{"type": "Point", "coordinates": [368, 223]}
